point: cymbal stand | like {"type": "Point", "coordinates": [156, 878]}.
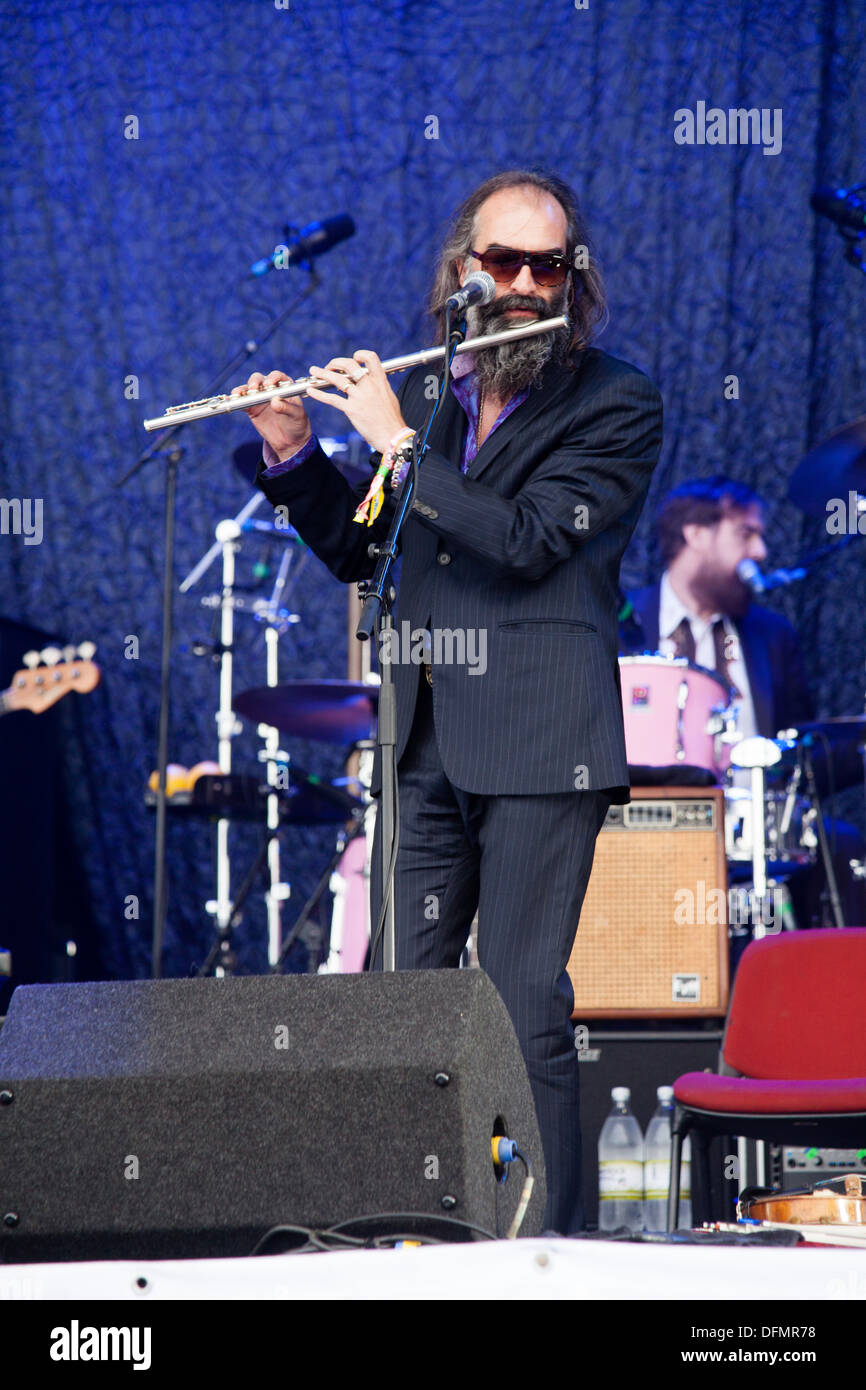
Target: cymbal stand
{"type": "Point", "coordinates": [277, 621]}
{"type": "Point", "coordinates": [228, 726]}
{"type": "Point", "coordinates": [757, 754]}
{"type": "Point", "coordinates": [821, 830]}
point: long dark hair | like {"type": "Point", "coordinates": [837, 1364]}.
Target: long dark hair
{"type": "Point", "coordinates": [587, 303]}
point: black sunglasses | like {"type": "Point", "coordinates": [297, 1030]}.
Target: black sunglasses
{"type": "Point", "coordinates": [548, 268]}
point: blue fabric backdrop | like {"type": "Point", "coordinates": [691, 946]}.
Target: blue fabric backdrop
{"type": "Point", "coordinates": [127, 257]}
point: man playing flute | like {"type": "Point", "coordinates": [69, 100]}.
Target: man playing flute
{"type": "Point", "coordinates": [540, 460]}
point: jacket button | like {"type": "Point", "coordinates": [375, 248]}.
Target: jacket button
{"type": "Point", "coordinates": [443, 558]}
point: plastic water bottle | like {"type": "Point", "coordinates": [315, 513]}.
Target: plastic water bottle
{"type": "Point", "coordinates": [657, 1167]}
{"type": "Point", "coordinates": [620, 1167]}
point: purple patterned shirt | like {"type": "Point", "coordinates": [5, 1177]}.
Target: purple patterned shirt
{"type": "Point", "coordinates": [465, 389]}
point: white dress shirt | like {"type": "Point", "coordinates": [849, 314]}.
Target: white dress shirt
{"type": "Point", "coordinates": [671, 612]}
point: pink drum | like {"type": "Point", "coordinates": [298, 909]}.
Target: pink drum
{"type": "Point", "coordinates": [350, 920]}
{"type": "Point", "coordinates": [672, 712]}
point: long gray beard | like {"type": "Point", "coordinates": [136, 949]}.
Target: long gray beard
{"type": "Point", "coordinates": [503, 371]}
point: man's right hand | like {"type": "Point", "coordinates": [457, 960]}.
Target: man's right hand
{"type": "Point", "coordinates": [283, 423]}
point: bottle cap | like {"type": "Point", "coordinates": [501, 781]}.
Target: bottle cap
{"type": "Point", "coordinates": [620, 1093]}
{"type": "Point", "coordinates": [665, 1092]}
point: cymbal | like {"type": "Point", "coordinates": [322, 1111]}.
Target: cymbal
{"type": "Point", "coordinates": [847, 726]}
{"type": "Point", "coordinates": [833, 468]}
{"type": "Point", "coordinates": [836, 747]}
{"type": "Point", "coordinates": [333, 711]}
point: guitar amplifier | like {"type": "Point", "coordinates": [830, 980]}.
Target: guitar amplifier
{"type": "Point", "coordinates": [653, 935]}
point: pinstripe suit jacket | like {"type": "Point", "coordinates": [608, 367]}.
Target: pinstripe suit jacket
{"type": "Point", "coordinates": [523, 553]}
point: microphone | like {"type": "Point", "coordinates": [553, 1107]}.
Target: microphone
{"type": "Point", "coordinates": [480, 288]}
{"type": "Point", "coordinates": [311, 241]}
{"type": "Point", "coordinates": [842, 205]}
{"type": "Point", "coordinates": [760, 583]}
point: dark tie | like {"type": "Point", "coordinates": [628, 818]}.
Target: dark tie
{"type": "Point", "coordinates": [683, 639]}
{"type": "Point", "coordinates": [723, 645]}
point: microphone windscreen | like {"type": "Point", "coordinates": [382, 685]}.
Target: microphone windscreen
{"type": "Point", "coordinates": [487, 283]}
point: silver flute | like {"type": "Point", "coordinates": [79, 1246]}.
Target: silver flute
{"type": "Point", "coordinates": [226, 404]}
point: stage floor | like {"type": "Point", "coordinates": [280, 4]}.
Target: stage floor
{"type": "Point", "coordinates": [523, 1269]}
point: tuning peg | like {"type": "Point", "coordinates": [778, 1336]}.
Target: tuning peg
{"type": "Point", "coordinates": [50, 655]}
{"type": "Point", "coordinates": [30, 659]}
{"type": "Point", "coordinates": [68, 653]}
{"type": "Point", "coordinates": [87, 650]}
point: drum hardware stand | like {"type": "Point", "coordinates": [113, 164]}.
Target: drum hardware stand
{"type": "Point", "coordinates": [682, 699]}
{"type": "Point", "coordinates": [173, 456]}
{"type": "Point", "coordinates": [228, 726]}
{"type": "Point", "coordinates": [790, 800]}
{"type": "Point", "coordinates": [821, 829]}
{"type": "Point", "coordinates": [277, 620]}
{"type": "Point", "coordinates": [757, 754]}
{"type": "Point", "coordinates": [724, 726]}
{"type": "Point", "coordinates": [808, 834]}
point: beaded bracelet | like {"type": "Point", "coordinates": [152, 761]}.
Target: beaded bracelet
{"type": "Point", "coordinates": [372, 503]}
{"type": "Point", "coordinates": [402, 461]}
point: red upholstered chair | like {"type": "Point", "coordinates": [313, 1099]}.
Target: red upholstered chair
{"type": "Point", "coordinates": [795, 1051]}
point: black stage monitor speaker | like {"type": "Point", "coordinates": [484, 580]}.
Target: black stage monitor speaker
{"type": "Point", "coordinates": [175, 1118]}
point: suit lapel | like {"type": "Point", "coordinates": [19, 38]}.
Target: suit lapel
{"type": "Point", "coordinates": [557, 382]}
{"type": "Point", "coordinates": [446, 436]}
{"type": "Point", "coordinates": [757, 661]}
{"type": "Point", "coordinates": [646, 607]}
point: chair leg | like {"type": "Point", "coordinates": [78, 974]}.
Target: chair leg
{"type": "Point", "coordinates": [679, 1129]}
{"type": "Point", "coordinates": [701, 1198]}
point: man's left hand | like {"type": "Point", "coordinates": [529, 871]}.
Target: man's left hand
{"type": "Point", "coordinates": [365, 399]}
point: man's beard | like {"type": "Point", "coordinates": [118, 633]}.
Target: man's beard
{"type": "Point", "coordinates": [511, 367]}
{"type": "Point", "coordinates": [722, 593]}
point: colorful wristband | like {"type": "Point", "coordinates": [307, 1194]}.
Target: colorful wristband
{"type": "Point", "coordinates": [372, 503]}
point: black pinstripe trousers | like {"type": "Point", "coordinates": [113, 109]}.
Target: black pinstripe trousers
{"type": "Point", "coordinates": [524, 863]}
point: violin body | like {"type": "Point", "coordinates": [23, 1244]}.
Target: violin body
{"type": "Point", "coordinates": [837, 1202]}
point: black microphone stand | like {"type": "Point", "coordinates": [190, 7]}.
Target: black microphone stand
{"type": "Point", "coordinates": [378, 595]}
{"type": "Point", "coordinates": [174, 455]}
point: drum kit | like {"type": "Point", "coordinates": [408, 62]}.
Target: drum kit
{"type": "Point", "coordinates": [681, 725]}
{"type": "Point", "coordinates": [680, 717]}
